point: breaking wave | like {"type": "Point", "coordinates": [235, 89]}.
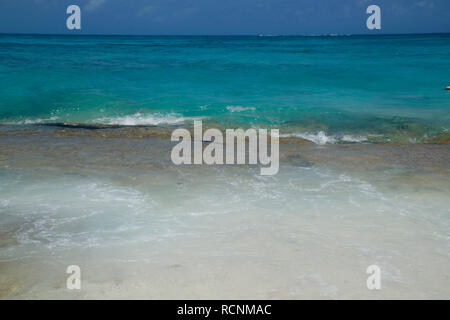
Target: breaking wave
{"type": "Point", "coordinates": [139, 119]}
{"type": "Point", "coordinates": [322, 138]}
{"type": "Point", "coordinates": [34, 121]}
{"type": "Point", "coordinates": [239, 108]}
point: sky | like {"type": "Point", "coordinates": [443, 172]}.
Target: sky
{"type": "Point", "coordinates": [224, 17]}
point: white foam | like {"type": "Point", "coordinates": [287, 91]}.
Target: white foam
{"type": "Point", "coordinates": [4, 203]}
{"type": "Point", "coordinates": [145, 119]}
{"type": "Point", "coordinates": [349, 138]}
{"type": "Point", "coordinates": [34, 121]}
{"type": "Point", "coordinates": [318, 138]}
{"type": "Point", "coordinates": [322, 138]}
{"type": "Point", "coordinates": [239, 108]}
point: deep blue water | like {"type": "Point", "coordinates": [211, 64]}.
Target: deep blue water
{"type": "Point", "coordinates": [375, 87]}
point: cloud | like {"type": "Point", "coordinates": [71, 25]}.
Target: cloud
{"type": "Point", "coordinates": [425, 4]}
{"type": "Point", "coordinates": [147, 10]}
{"type": "Point", "coordinates": [94, 4]}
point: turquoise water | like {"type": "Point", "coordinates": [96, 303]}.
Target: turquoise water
{"type": "Point", "coordinates": [325, 89]}
{"type": "Point", "coordinates": [112, 201]}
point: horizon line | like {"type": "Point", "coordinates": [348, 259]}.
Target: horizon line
{"type": "Point", "coordinates": [224, 35]}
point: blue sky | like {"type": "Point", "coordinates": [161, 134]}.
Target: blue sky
{"type": "Point", "coordinates": [204, 17]}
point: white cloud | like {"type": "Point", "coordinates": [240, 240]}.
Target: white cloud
{"type": "Point", "coordinates": [425, 4]}
{"type": "Point", "coordinates": [94, 4]}
{"type": "Point", "coordinates": [147, 10]}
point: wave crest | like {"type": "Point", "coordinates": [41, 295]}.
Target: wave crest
{"type": "Point", "coordinates": [239, 108]}
{"type": "Point", "coordinates": [139, 119]}
{"type": "Point", "coordinates": [322, 138]}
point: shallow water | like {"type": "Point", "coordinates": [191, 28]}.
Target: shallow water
{"type": "Point", "coordinates": [141, 227]}
{"type": "Point", "coordinates": [86, 177]}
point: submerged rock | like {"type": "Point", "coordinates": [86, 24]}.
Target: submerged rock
{"type": "Point", "coordinates": [296, 140]}
{"type": "Point", "coordinates": [443, 138]}
{"type": "Point", "coordinates": [299, 161]}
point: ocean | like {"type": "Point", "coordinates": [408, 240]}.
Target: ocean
{"type": "Point", "coordinates": [328, 89]}
{"type": "Point", "coordinates": [86, 176]}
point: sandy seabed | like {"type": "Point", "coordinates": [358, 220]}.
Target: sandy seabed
{"type": "Point", "coordinates": [111, 201]}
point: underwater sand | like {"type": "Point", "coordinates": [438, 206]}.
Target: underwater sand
{"type": "Point", "coordinates": [111, 201]}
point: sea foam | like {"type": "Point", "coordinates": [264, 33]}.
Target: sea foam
{"type": "Point", "coordinates": [322, 138]}
{"type": "Point", "coordinates": [239, 108]}
{"type": "Point", "coordinates": [139, 119]}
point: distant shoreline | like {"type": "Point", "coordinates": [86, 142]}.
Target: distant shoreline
{"type": "Point", "coordinates": [72, 34]}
